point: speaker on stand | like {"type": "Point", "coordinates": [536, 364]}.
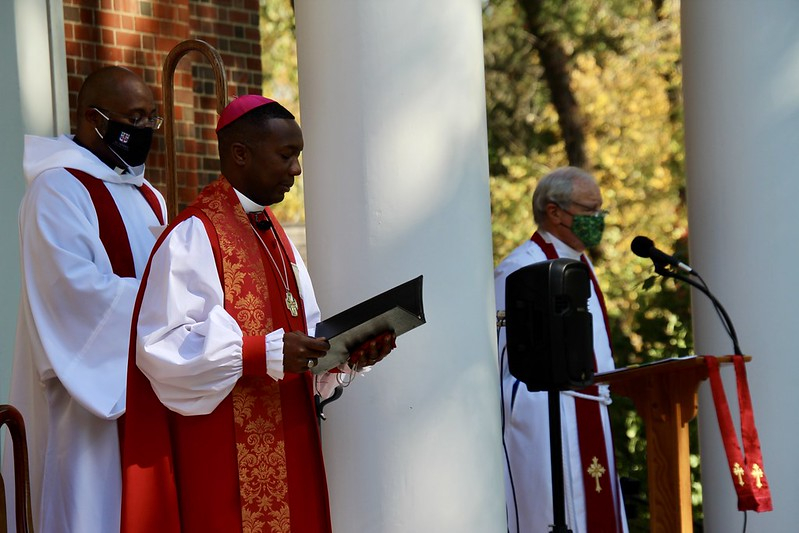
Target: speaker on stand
{"type": "Point", "coordinates": [550, 345]}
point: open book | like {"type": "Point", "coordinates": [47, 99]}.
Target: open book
{"type": "Point", "coordinates": [398, 310]}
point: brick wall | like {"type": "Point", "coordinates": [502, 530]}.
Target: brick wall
{"type": "Point", "coordinates": [139, 34]}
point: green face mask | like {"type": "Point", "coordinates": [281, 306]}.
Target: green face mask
{"type": "Point", "coordinates": [588, 228]}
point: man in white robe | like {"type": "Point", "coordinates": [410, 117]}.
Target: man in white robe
{"type": "Point", "coordinates": [86, 225]}
{"type": "Point", "coordinates": [567, 208]}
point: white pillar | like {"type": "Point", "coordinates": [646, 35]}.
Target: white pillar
{"type": "Point", "coordinates": [396, 169]}
{"type": "Point", "coordinates": [741, 85]}
{"type": "Point", "coordinates": [33, 89]}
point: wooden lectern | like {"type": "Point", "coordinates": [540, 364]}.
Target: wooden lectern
{"type": "Point", "coordinates": [665, 394]}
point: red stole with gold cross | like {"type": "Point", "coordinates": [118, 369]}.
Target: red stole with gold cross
{"type": "Point", "coordinates": [602, 513]}
{"type": "Point", "coordinates": [254, 464]}
{"type": "Point", "coordinates": [746, 466]}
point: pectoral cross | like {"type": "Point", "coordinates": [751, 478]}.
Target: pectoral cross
{"type": "Point", "coordinates": [758, 474]}
{"type": "Point", "coordinates": [596, 471]}
{"type": "Point", "coordinates": [739, 473]}
{"type": "Point", "coordinates": [291, 304]}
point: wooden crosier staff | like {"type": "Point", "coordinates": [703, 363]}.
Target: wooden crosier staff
{"type": "Point", "coordinates": [168, 80]}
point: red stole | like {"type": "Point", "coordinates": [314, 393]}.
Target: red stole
{"type": "Point", "coordinates": [112, 230]}
{"type": "Point", "coordinates": [255, 462]}
{"type": "Point", "coordinates": [748, 474]}
{"type": "Point", "coordinates": [602, 514]}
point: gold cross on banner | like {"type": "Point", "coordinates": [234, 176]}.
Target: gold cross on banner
{"type": "Point", "coordinates": [595, 471]}
{"type": "Point", "coordinates": [758, 474]}
{"type": "Point", "coordinates": [739, 473]}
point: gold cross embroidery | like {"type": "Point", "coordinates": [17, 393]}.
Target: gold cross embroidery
{"type": "Point", "coordinates": [595, 471]}
{"type": "Point", "coordinates": [739, 473]}
{"type": "Point", "coordinates": [758, 474]}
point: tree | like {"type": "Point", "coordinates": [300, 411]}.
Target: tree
{"type": "Point", "coordinates": [555, 62]}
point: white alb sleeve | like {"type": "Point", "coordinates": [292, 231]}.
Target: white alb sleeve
{"type": "Point", "coordinates": [188, 346]}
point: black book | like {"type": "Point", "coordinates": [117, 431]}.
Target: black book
{"type": "Point", "coordinates": [398, 310]}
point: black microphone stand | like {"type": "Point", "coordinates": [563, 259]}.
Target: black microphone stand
{"type": "Point", "coordinates": [556, 461]}
{"type": "Point", "coordinates": [725, 318]}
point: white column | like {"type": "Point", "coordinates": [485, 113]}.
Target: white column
{"type": "Point", "coordinates": [33, 89]}
{"type": "Point", "coordinates": [741, 85]}
{"type": "Point", "coordinates": [396, 169]}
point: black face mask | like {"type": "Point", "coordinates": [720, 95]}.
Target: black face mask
{"type": "Point", "coordinates": [129, 143]}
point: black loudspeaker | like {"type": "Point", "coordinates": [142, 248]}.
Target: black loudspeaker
{"type": "Point", "coordinates": [549, 330]}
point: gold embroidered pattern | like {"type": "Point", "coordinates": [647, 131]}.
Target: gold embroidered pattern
{"type": "Point", "coordinates": [260, 444]}
{"type": "Point", "coordinates": [250, 311]}
{"type": "Point", "coordinates": [262, 465]}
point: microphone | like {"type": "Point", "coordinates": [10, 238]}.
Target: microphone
{"type": "Point", "coordinates": [644, 247]}
{"type": "Point", "coordinates": [260, 220]}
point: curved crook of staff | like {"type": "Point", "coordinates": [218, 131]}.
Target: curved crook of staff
{"type": "Point", "coordinates": [168, 80]}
